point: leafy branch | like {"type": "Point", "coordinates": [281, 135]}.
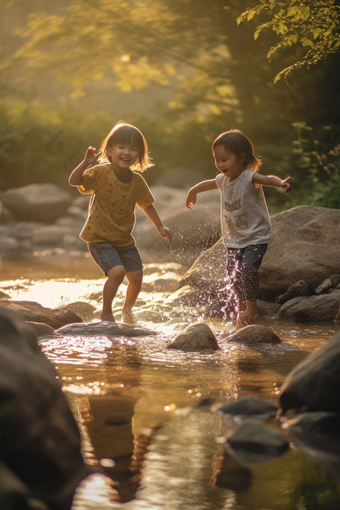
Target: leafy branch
{"type": "Point", "coordinates": [313, 24]}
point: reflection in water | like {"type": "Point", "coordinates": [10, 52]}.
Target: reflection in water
{"type": "Point", "coordinates": [135, 402]}
{"type": "Point", "coordinates": [227, 473]}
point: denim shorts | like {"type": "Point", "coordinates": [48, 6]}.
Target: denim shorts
{"type": "Point", "coordinates": [107, 255]}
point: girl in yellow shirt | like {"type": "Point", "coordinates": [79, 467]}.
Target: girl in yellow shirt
{"type": "Point", "coordinates": [115, 190]}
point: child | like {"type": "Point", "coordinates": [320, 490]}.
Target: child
{"type": "Point", "coordinates": [116, 189]}
{"type": "Point", "coordinates": [244, 215]}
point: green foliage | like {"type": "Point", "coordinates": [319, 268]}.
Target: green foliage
{"type": "Point", "coordinates": [138, 43]}
{"type": "Point", "coordinates": [27, 152]}
{"type": "Point", "coordinates": [312, 24]}
{"type": "Point", "coordinates": [37, 143]}
{"type": "Point", "coordinates": [321, 159]}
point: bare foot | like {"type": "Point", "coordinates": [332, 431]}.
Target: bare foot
{"type": "Point", "coordinates": [245, 319]}
{"type": "Point", "coordinates": [128, 317]}
{"type": "Point", "coordinates": [106, 317]}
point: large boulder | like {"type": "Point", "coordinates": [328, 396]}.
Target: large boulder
{"type": "Point", "coordinates": [37, 202]}
{"type": "Point", "coordinates": [193, 230]}
{"type": "Point", "coordinates": [40, 440]}
{"type": "Point", "coordinates": [305, 245]}
{"type": "Point", "coordinates": [314, 384]}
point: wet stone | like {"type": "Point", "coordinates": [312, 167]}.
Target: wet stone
{"type": "Point", "coordinates": [249, 406]}
{"type": "Point", "coordinates": [254, 334]}
{"type": "Point", "coordinates": [103, 328]}
{"type": "Point", "coordinates": [196, 337]}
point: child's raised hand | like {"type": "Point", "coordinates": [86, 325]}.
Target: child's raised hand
{"type": "Point", "coordinates": [191, 198]}
{"type": "Point", "coordinates": [285, 185]}
{"type": "Point", "coordinates": [165, 232]}
{"type": "Point", "coordinates": [91, 156]}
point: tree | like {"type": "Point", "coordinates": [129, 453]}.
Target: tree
{"type": "Point", "coordinates": [313, 24]}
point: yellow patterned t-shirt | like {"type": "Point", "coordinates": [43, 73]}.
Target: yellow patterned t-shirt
{"type": "Point", "coordinates": [111, 215]}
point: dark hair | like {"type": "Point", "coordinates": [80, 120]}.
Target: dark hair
{"type": "Point", "coordinates": [237, 143]}
{"type": "Point", "coordinates": [123, 133]}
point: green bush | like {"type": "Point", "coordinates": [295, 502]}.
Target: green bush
{"type": "Point", "coordinates": [321, 160]}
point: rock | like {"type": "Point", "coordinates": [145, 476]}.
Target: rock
{"type": "Point", "coordinates": [253, 443]}
{"type": "Point", "coordinates": [34, 312]}
{"type": "Point", "coordinates": [40, 440]}
{"type": "Point", "coordinates": [193, 230]}
{"type": "Point", "coordinates": [67, 221]}
{"type": "Point", "coordinates": [315, 423]}
{"type": "Point", "coordinates": [299, 288]}
{"type": "Point", "coordinates": [335, 280]}
{"type": "Point", "coordinates": [72, 242]}
{"type": "Point", "coordinates": [314, 384]}
{"type": "Point", "coordinates": [37, 201]}
{"type": "Point", "coordinates": [8, 243]}
{"type": "Point", "coordinates": [41, 329]}
{"type": "Point", "coordinates": [24, 229]}
{"type": "Point", "coordinates": [84, 310]}
{"type": "Point", "coordinates": [77, 213]}
{"type": "Point", "coordinates": [316, 435]}
{"type": "Point", "coordinates": [286, 311]}
{"type": "Point", "coordinates": [82, 202]}
{"type": "Point", "coordinates": [209, 271]}
{"type": "Point", "coordinates": [181, 178]}
{"type": "Point", "coordinates": [196, 337]}
{"type": "Point", "coordinates": [14, 491]}
{"type": "Point", "coordinates": [110, 329]}
{"type": "Point", "coordinates": [6, 216]}
{"type": "Point", "coordinates": [253, 407]}
{"type": "Point", "coordinates": [325, 285]}
{"type": "Point", "coordinates": [337, 317]}
{"type": "Point", "coordinates": [319, 308]}
{"type": "Point", "coordinates": [254, 334]}
{"type": "Point", "coordinates": [305, 245]}
{"type": "Point", "coordinates": [165, 285]}
{"type": "Point", "coordinates": [265, 309]}
{"type": "Point", "coordinates": [51, 235]}
{"type": "Point", "coordinates": [151, 316]}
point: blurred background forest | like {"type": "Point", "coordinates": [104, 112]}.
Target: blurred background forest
{"type": "Point", "coordinates": [183, 71]}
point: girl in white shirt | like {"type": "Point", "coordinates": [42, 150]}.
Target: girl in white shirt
{"type": "Point", "coordinates": [245, 220]}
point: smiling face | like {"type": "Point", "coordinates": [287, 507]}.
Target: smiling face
{"type": "Point", "coordinates": [123, 156]}
{"type": "Point", "coordinates": [227, 163]}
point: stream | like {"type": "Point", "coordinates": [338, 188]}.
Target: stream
{"type": "Point", "coordinates": [136, 402]}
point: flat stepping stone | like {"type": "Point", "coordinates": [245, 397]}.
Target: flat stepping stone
{"type": "Point", "coordinates": [103, 328]}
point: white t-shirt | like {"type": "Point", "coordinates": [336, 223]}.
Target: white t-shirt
{"type": "Point", "coordinates": [244, 214]}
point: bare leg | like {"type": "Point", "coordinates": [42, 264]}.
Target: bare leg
{"type": "Point", "coordinates": [248, 316]}
{"type": "Point", "coordinates": [115, 276]}
{"type": "Point", "coordinates": [135, 279]}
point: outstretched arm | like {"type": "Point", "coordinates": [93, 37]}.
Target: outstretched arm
{"type": "Point", "coordinates": [76, 177]}
{"type": "Point", "coordinates": [200, 188]}
{"type": "Point", "coordinates": [273, 181]}
{"type": "Point", "coordinates": [152, 214]}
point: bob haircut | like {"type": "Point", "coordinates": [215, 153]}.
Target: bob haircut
{"type": "Point", "coordinates": [237, 143]}
{"type": "Point", "coordinates": [123, 133]}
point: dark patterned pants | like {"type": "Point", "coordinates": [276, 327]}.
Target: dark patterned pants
{"type": "Point", "coordinates": [242, 268]}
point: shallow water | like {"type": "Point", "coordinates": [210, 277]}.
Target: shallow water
{"type": "Point", "coordinates": [135, 401]}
